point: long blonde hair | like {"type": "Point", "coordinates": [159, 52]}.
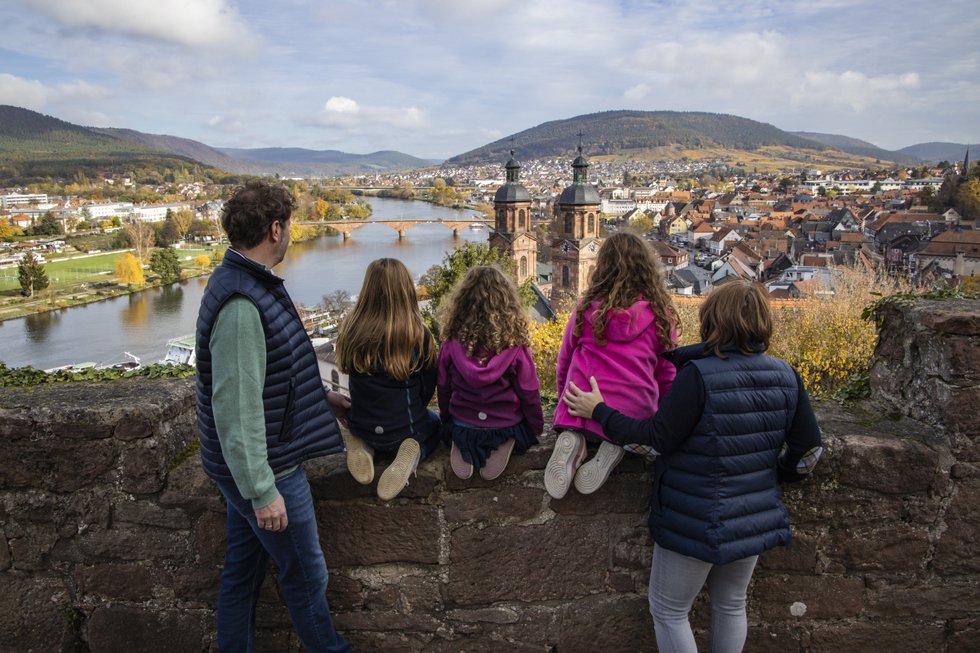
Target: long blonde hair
{"type": "Point", "coordinates": [384, 330]}
{"type": "Point", "coordinates": [626, 270]}
{"type": "Point", "coordinates": [484, 312]}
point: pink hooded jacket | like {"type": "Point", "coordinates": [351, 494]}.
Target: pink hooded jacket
{"type": "Point", "coordinates": [502, 390]}
{"type": "Point", "coordinates": [629, 368]}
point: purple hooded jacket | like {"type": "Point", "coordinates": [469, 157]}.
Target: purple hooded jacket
{"type": "Point", "coordinates": [630, 368]}
{"type": "Point", "coordinates": [502, 390]}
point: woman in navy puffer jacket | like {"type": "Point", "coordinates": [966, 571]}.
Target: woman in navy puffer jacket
{"type": "Point", "coordinates": [735, 424]}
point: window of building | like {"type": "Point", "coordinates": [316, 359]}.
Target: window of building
{"type": "Point", "coordinates": [335, 380]}
{"type": "Point", "coordinates": [523, 267]}
{"type": "Point", "coordinates": [521, 224]}
{"type": "Point", "coordinates": [564, 276]}
{"type": "Point", "coordinates": [569, 223]}
{"type": "Point", "coordinates": [591, 224]}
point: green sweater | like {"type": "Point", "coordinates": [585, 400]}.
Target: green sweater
{"type": "Point", "coordinates": [238, 378]}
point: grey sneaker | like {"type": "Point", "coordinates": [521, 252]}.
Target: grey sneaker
{"type": "Point", "coordinates": [592, 475]}
{"type": "Point", "coordinates": [565, 459]}
{"type": "Point", "coordinates": [394, 479]}
{"type": "Point", "coordinates": [360, 457]}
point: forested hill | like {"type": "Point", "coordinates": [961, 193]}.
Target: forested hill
{"type": "Point", "coordinates": [180, 146]}
{"type": "Point", "coordinates": [35, 147]}
{"type": "Point", "coordinates": [615, 132]}
{"type": "Point", "coordinates": [942, 151]}
{"type": "Point", "coordinates": [858, 147]}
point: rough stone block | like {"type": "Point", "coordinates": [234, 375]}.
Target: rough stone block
{"type": "Point", "coordinates": [892, 547]}
{"type": "Point", "coordinates": [888, 465]}
{"type": "Point", "coordinates": [626, 494]}
{"type": "Point", "coordinates": [894, 638]}
{"type": "Point", "coordinates": [148, 513]}
{"type": "Point", "coordinates": [799, 556]}
{"type": "Point", "coordinates": [357, 533]}
{"type": "Point", "coordinates": [494, 505]}
{"type": "Point", "coordinates": [957, 549]}
{"type": "Point", "coordinates": [124, 629]}
{"type": "Point", "coordinates": [131, 582]}
{"type": "Point", "coordinates": [612, 622]}
{"type": "Point", "coordinates": [551, 561]}
{"type": "Point", "coordinates": [134, 544]}
{"type": "Point", "coordinates": [35, 613]}
{"type": "Point", "coordinates": [964, 636]}
{"type": "Point", "coordinates": [824, 597]}
{"type": "Point", "coordinates": [209, 538]}
{"type": "Point", "coordinates": [923, 601]}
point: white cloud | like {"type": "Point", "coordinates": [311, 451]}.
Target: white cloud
{"type": "Point", "coordinates": [345, 113]}
{"type": "Point", "coordinates": [852, 90]}
{"type": "Point", "coordinates": [340, 104]}
{"type": "Point", "coordinates": [20, 92]}
{"type": "Point", "coordinates": [637, 92]}
{"type": "Point", "coordinates": [210, 24]}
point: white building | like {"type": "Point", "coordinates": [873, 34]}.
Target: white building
{"type": "Point", "coordinates": [15, 199]}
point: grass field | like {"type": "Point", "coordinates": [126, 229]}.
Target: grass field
{"type": "Point", "coordinates": [89, 269]}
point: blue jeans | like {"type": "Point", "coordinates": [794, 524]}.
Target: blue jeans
{"type": "Point", "coordinates": [675, 581]}
{"type": "Point", "coordinates": [302, 570]}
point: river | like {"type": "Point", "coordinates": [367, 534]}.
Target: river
{"type": "Point", "coordinates": [143, 322]}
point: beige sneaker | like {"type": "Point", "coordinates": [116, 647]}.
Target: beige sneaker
{"type": "Point", "coordinates": [360, 457]}
{"type": "Point", "coordinates": [565, 459]}
{"type": "Point", "coordinates": [394, 479]}
{"type": "Point", "coordinates": [593, 475]}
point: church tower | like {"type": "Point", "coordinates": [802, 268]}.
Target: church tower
{"type": "Point", "coordinates": [575, 230]}
{"type": "Point", "coordinates": [513, 235]}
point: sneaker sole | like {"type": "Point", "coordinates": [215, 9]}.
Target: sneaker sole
{"type": "Point", "coordinates": [394, 479]}
{"type": "Point", "coordinates": [461, 468]}
{"type": "Point", "coordinates": [560, 470]}
{"type": "Point", "coordinates": [360, 461]}
{"type": "Point", "coordinates": [593, 475]}
{"type": "Point", "coordinates": [497, 462]}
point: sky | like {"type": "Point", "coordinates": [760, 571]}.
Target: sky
{"type": "Point", "coordinates": [435, 78]}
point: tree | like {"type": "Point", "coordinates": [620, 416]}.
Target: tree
{"type": "Point", "coordinates": [165, 264]}
{"type": "Point", "coordinates": [182, 219]}
{"type": "Point", "coordinates": [141, 236]}
{"type": "Point", "coordinates": [8, 230]}
{"type": "Point", "coordinates": [31, 275]}
{"type": "Point", "coordinates": [168, 234]}
{"type": "Point", "coordinates": [968, 199]}
{"type": "Point", "coordinates": [337, 303]}
{"type": "Point", "coordinates": [440, 279]}
{"type": "Point", "coordinates": [48, 225]}
{"type": "Point", "coordinates": [204, 229]}
{"type": "Point", "coordinates": [202, 260]}
{"type": "Point", "coordinates": [128, 270]}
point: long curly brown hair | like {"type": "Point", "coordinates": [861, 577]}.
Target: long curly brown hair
{"type": "Point", "coordinates": [384, 330]}
{"type": "Point", "coordinates": [626, 271]}
{"type": "Point", "coordinates": [484, 312]}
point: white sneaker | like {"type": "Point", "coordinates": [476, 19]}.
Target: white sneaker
{"type": "Point", "coordinates": [565, 458]}
{"type": "Point", "coordinates": [592, 475]}
{"type": "Point", "coordinates": [360, 457]}
{"type": "Point", "coordinates": [395, 479]}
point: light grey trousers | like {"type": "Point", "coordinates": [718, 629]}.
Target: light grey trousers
{"type": "Point", "coordinates": [675, 581]}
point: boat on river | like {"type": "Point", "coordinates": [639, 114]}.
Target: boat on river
{"type": "Point", "coordinates": [180, 351]}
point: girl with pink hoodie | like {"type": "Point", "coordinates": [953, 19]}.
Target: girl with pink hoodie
{"type": "Point", "coordinates": [489, 396]}
{"type": "Point", "coordinates": [618, 333]}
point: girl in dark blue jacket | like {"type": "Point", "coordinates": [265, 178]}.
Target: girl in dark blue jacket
{"type": "Point", "coordinates": [735, 424]}
{"type": "Point", "coordinates": [391, 359]}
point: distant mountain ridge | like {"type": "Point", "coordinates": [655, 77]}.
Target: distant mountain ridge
{"type": "Point", "coordinates": [859, 147]}
{"type": "Point", "coordinates": [615, 132]}
{"type": "Point", "coordinates": [303, 162]}
{"type": "Point", "coordinates": [37, 145]}
{"type": "Point", "coordinates": [938, 151]}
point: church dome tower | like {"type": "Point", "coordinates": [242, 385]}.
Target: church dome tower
{"type": "Point", "coordinates": [513, 234]}
{"type": "Point", "coordinates": [576, 234]}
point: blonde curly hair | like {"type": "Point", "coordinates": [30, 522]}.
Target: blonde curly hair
{"type": "Point", "coordinates": [484, 313]}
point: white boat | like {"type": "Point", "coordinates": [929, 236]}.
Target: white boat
{"type": "Point", "coordinates": [73, 367]}
{"type": "Point", "coordinates": [478, 226]}
{"type": "Point", "coordinates": [180, 351]}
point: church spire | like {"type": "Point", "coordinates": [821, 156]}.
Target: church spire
{"type": "Point", "coordinates": [966, 165]}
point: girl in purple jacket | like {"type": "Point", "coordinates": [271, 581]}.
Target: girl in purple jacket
{"type": "Point", "coordinates": [618, 333]}
{"type": "Point", "coordinates": [488, 390]}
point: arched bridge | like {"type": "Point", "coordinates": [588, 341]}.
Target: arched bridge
{"type": "Point", "coordinates": [346, 227]}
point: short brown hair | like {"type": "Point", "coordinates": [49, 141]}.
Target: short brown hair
{"type": "Point", "coordinates": [736, 314]}
{"type": "Point", "coordinates": [252, 208]}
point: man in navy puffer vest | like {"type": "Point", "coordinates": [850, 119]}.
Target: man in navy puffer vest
{"type": "Point", "coordinates": [262, 412]}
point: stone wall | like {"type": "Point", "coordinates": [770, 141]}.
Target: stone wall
{"type": "Point", "coordinates": [111, 538]}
